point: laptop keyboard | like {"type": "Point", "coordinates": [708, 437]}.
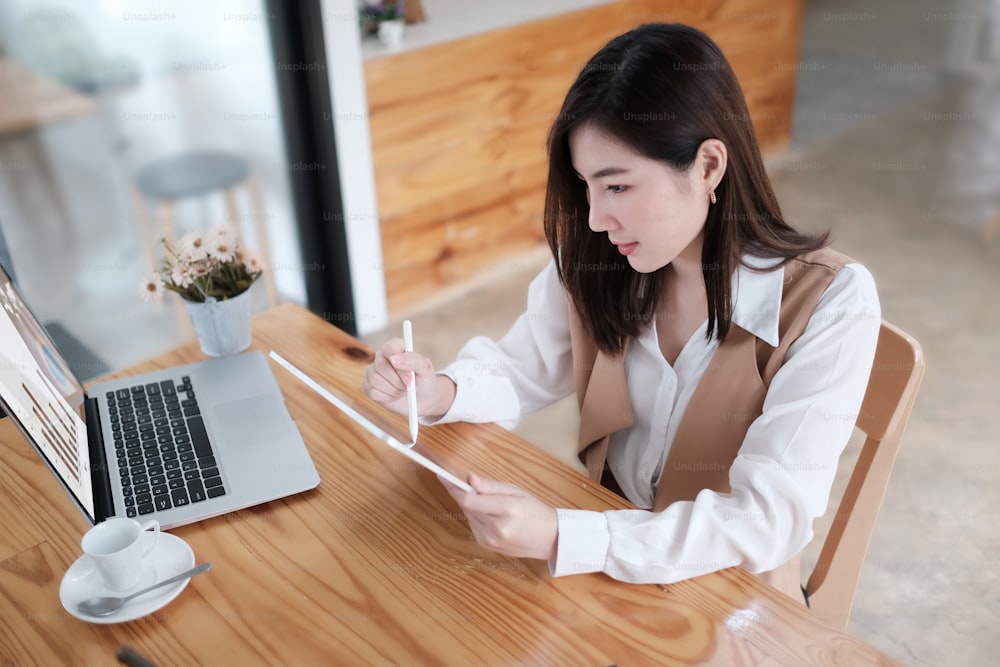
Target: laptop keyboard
{"type": "Point", "coordinates": [164, 457]}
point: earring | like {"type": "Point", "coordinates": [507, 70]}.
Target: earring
{"type": "Point", "coordinates": [711, 196]}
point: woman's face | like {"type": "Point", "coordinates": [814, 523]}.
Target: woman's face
{"type": "Point", "coordinates": [650, 212]}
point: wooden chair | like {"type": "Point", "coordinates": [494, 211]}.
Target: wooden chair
{"type": "Point", "coordinates": [892, 389]}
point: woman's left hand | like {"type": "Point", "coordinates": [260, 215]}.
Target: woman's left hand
{"type": "Point", "coordinates": [506, 519]}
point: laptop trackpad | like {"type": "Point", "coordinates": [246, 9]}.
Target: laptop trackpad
{"type": "Point", "coordinates": [249, 422]}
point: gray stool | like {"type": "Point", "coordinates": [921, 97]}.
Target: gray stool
{"type": "Point", "coordinates": [199, 174]}
{"type": "Point", "coordinates": [191, 175]}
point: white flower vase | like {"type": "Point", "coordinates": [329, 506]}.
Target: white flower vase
{"type": "Point", "coordinates": [222, 327]}
{"type": "Point", "coordinates": [390, 33]}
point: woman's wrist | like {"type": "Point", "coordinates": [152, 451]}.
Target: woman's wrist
{"type": "Point", "coordinates": [446, 391]}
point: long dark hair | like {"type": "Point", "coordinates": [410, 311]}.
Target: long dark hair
{"type": "Point", "coordinates": [661, 89]}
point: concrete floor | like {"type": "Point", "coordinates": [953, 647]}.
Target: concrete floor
{"type": "Point", "coordinates": [900, 163]}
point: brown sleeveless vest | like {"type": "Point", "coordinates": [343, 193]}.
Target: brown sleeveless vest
{"type": "Point", "coordinates": [729, 396]}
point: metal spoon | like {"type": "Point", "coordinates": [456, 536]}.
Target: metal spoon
{"type": "Point", "coordinates": [109, 605]}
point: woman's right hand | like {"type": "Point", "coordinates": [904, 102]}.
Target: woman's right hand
{"type": "Point", "coordinates": [386, 379]}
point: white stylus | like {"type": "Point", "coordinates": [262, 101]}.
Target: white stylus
{"type": "Point", "coordinates": [411, 389]}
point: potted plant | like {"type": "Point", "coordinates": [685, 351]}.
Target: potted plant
{"type": "Point", "coordinates": [387, 18]}
{"type": "Point", "coordinates": [212, 274]}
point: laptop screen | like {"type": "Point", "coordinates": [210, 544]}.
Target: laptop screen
{"type": "Point", "coordinates": [41, 394]}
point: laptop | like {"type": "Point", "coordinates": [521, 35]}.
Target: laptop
{"type": "Point", "coordinates": [177, 445]}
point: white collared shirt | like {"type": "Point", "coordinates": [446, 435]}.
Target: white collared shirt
{"type": "Point", "coordinates": [781, 478]}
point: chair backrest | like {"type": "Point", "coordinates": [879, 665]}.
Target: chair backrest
{"type": "Point", "coordinates": [896, 374]}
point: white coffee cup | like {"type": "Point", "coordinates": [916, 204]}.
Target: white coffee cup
{"type": "Point", "coordinates": [117, 546]}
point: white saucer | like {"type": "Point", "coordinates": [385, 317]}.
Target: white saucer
{"type": "Point", "coordinates": [82, 581]}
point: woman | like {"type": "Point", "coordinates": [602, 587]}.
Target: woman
{"type": "Point", "coordinates": [719, 356]}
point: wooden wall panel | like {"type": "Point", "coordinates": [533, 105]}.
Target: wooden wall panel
{"type": "Point", "coordinates": [458, 129]}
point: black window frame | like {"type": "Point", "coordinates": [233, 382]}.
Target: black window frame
{"type": "Point", "coordinates": [301, 74]}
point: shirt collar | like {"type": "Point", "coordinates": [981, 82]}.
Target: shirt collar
{"type": "Point", "coordinates": [757, 297]}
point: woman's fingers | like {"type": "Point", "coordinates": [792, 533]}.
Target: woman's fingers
{"type": "Point", "coordinates": [485, 485]}
{"type": "Point", "coordinates": [387, 377]}
{"type": "Point", "coordinates": [382, 384]}
{"type": "Point", "coordinates": [381, 377]}
{"type": "Point", "coordinates": [405, 362]}
{"type": "Point", "coordinates": [492, 498]}
{"type": "Point", "coordinates": [507, 519]}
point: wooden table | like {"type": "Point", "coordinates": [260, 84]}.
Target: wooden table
{"type": "Point", "coordinates": [29, 176]}
{"type": "Point", "coordinates": [31, 100]}
{"type": "Point", "coordinates": [377, 566]}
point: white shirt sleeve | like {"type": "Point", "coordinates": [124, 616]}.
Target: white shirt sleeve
{"type": "Point", "coordinates": [782, 475]}
{"type": "Point", "coordinates": [526, 370]}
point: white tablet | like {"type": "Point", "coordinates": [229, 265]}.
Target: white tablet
{"type": "Point", "coordinates": [372, 428]}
